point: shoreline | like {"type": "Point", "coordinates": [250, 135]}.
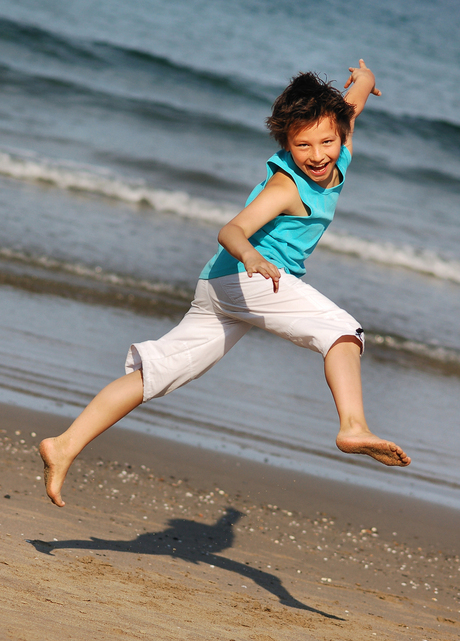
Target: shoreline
{"type": "Point", "coordinates": [225, 545]}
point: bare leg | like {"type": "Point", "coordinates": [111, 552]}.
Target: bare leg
{"type": "Point", "coordinates": [343, 374]}
{"type": "Point", "coordinates": [109, 406]}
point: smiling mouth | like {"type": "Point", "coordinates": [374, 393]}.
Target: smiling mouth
{"type": "Point", "coordinates": [318, 169]}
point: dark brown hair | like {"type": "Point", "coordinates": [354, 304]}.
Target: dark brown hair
{"type": "Point", "coordinates": [306, 100]}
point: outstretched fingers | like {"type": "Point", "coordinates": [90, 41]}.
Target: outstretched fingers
{"type": "Point", "coordinates": [362, 70]}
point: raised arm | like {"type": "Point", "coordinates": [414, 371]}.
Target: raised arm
{"type": "Point", "coordinates": [361, 84]}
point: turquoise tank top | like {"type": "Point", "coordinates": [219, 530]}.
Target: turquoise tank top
{"type": "Point", "coordinates": [287, 241]}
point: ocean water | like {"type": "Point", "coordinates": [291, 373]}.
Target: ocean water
{"type": "Point", "coordinates": [130, 132]}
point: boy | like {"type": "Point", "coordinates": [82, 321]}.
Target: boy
{"type": "Point", "coordinates": [254, 279]}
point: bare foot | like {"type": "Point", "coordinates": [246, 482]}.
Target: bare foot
{"type": "Point", "coordinates": [384, 451]}
{"type": "Point", "coordinates": [56, 466]}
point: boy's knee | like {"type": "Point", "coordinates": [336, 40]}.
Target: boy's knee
{"type": "Point", "coordinates": [350, 341]}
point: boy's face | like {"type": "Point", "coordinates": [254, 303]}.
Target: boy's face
{"type": "Point", "coordinates": [315, 149]}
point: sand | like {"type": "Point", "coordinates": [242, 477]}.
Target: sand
{"type": "Point", "coordinates": [167, 542]}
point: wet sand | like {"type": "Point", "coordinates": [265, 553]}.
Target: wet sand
{"type": "Point", "coordinates": [167, 542]}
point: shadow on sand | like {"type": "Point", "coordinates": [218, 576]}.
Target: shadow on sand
{"type": "Point", "coordinates": [192, 542]}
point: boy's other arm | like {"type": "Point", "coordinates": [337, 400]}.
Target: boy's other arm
{"type": "Point", "coordinates": [361, 83]}
{"type": "Point", "coordinates": [278, 196]}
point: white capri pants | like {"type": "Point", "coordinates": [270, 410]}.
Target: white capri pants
{"type": "Point", "coordinates": [223, 310]}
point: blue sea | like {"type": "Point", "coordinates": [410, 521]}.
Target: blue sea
{"type": "Point", "coordinates": [131, 131]}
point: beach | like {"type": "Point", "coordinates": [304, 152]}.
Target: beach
{"type": "Point", "coordinates": [160, 540]}
{"type": "Point", "coordinates": [128, 136]}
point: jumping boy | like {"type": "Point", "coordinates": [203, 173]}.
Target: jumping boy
{"type": "Point", "coordinates": [254, 279]}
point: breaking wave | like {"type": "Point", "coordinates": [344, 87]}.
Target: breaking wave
{"type": "Point", "coordinates": [423, 261]}
{"type": "Point", "coordinates": [97, 180]}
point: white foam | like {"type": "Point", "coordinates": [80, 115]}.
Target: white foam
{"type": "Point", "coordinates": [74, 176]}
{"type": "Point", "coordinates": [434, 353]}
{"type": "Point", "coordinates": [98, 180]}
{"type": "Point", "coordinates": [419, 260]}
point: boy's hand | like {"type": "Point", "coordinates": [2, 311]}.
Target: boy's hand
{"type": "Point", "coordinates": [362, 73]}
{"type": "Point", "coordinates": [256, 264]}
